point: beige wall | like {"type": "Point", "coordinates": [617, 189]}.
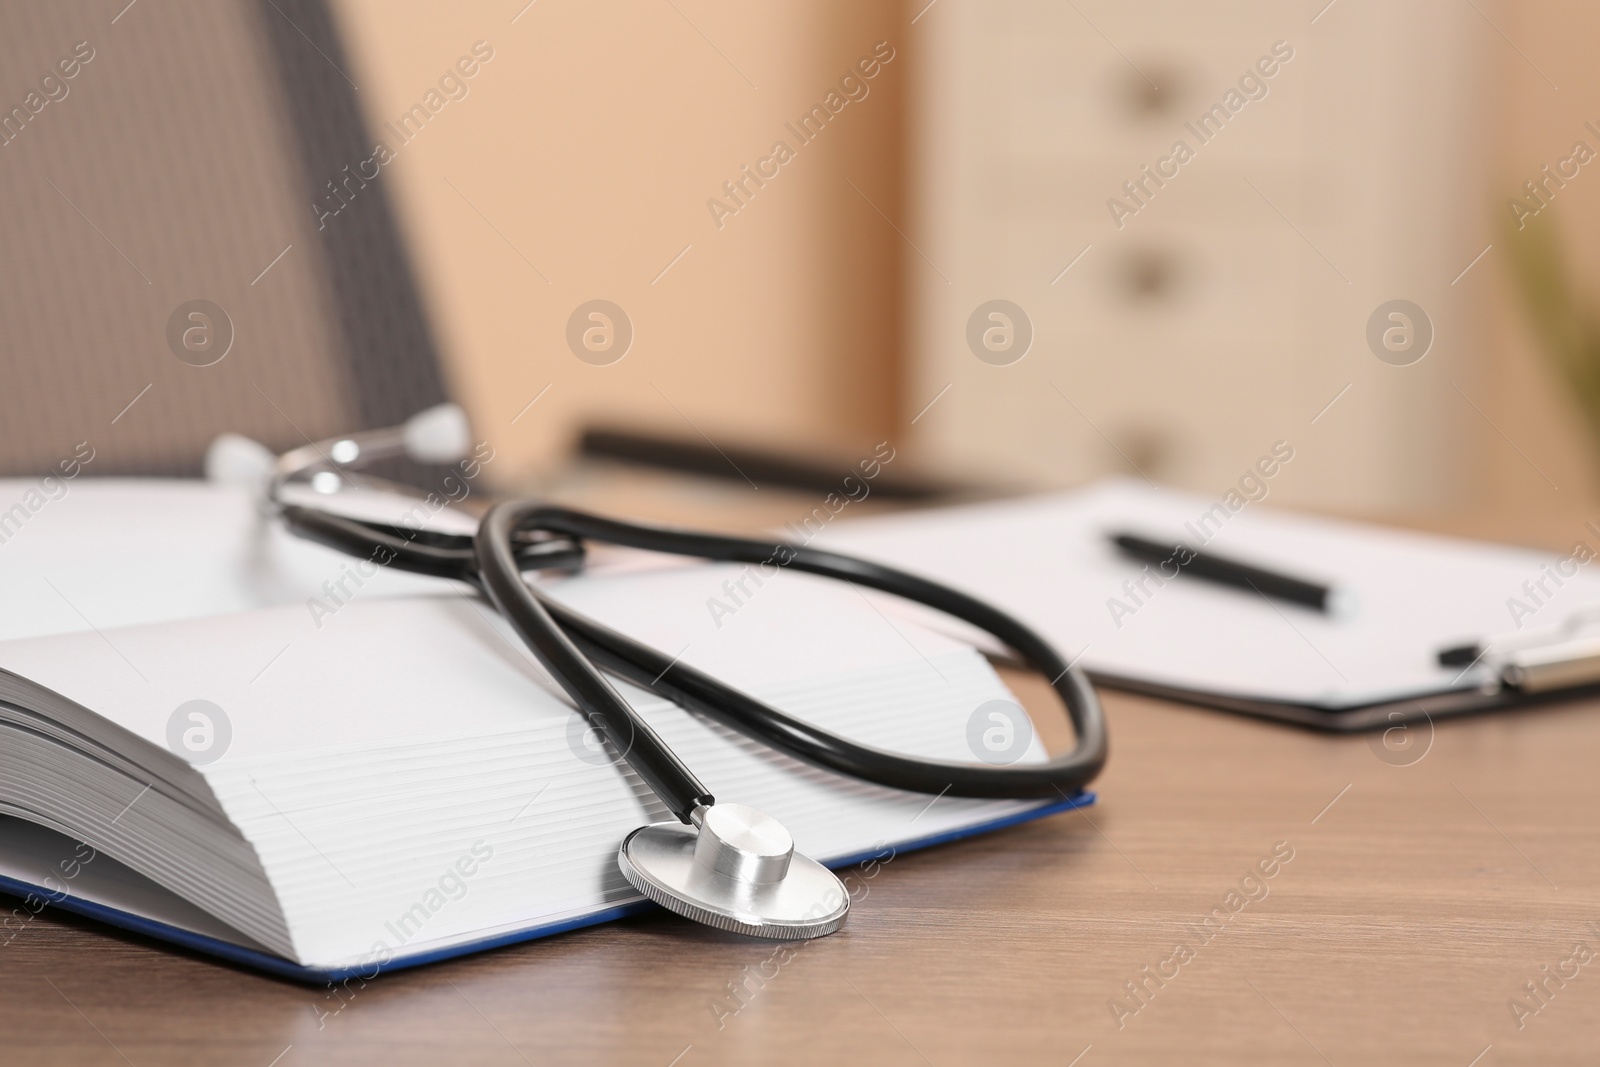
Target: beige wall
{"type": "Point", "coordinates": [594, 137]}
{"type": "Point", "coordinates": [1536, 123]}
{"type": "Point", "coordinates": [588, 147]}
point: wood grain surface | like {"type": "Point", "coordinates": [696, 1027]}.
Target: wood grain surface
{"type": "Point", "coordinates": [1430, 879]}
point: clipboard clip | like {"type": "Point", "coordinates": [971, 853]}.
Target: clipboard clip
{"type": "Point", "coordinates": [1556, 657]}
{"type": "Point", "coordinates": [1565, 666]}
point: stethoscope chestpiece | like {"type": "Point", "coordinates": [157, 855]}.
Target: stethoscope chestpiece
{"type": "Point", "coordinates": [738, 872]}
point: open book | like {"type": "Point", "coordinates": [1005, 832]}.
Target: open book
{"type": "Point", "coordinates": [324, 794]}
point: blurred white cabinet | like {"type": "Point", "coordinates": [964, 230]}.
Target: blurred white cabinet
{"type": "Point", "coordinates": [1232, 307]}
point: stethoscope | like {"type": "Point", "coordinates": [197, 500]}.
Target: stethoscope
{"type": "Point", "coordinates": [723, 864]}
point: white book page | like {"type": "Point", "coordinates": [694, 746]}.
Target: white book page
{"type": "Point", "coordinates": [112, 552]}
{"type": "Point", "coordinates": [292, 678]}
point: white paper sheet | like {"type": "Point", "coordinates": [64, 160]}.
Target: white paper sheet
{"type": "Point", "coordinates": [1047, 559]}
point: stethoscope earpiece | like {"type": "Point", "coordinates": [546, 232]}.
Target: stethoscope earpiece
{"type": "Point", "coordinates": [441, 434]}
{"type": "Point", "coordinates": [235, 460]}
{"type": "Point", "coordinates": [737, 870]}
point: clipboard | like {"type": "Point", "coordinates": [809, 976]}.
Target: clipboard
{"type": "Point", "coordinates": [1049, 560]}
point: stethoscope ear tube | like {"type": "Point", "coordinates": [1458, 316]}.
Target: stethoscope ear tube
{"type": "Point", "coordinates": [602, 705]}
{"type": "Point", "coordinates": [439, 555]}
{"type": "Point", "coordinates": [570, 644]}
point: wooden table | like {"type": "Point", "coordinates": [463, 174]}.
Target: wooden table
{"type": "Point", "coordinates": [1426, 886]}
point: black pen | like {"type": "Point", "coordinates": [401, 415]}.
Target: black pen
{"type": "Point", "coordinates": [1181, 559]}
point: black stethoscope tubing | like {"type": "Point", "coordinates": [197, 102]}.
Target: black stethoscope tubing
{"type": "Point", "coordinates": [519, 535]}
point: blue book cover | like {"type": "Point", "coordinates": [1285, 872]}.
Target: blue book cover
{"type": "Point", "coordinates": [42, 869]}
